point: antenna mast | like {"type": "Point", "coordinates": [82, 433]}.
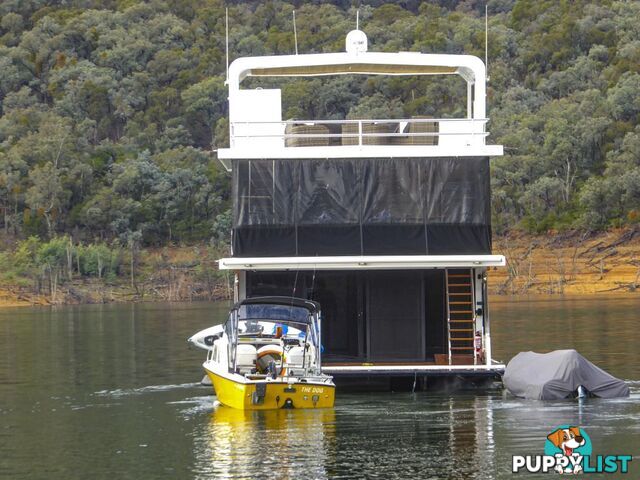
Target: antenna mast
{"type": "Point", "coordinates": [486, 41]}
{"type": "Point", "coordinates": [358, 19]}
{"type": "Point", "coordinates": [295, 32]}
{"type": "Point", "coordinates": [226, 37]}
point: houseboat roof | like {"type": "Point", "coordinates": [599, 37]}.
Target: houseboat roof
{"type": "Point", "coordinates": [469, 67]}
{"type": "Point", "coordinates": [258, 129]}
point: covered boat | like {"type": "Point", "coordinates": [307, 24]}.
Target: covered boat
{"type": "Point", "coordinates": [557, 375]}
{"type": "Point", "coordinates": [267, 355]}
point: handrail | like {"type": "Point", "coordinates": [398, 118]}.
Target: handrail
{"type": "Point", "coordinates": [356, 135]}
{"type": "Point", "coordinates": [390, 132]}
{"type": "Point", "coordinates": [367, 120]}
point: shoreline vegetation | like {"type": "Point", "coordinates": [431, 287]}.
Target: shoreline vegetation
{"type": "Point", "coordinates": [57, 272]}
{"type": "Point", "coordinates": [111, 113]}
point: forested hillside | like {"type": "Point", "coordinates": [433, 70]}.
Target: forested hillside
{"type": "Point", "coordinates": [110, 111]}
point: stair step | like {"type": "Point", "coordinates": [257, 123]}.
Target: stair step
{"type": "Point", "coordinates": [459, 303]}
{"type": "Point", "coordinates": [460, 311]}
{"type": "Point", "coordinates": [459, 284]}
{"type": "Point", "coordinates": [461, 329]}
{"type": "Point", "coordinates": [459, 275]}
{"type": "Point", "coordinates": [459, 294]}
{"type": "Point", "coordinates": [458, 320]}
{"type": "Point", "coordinates": [461, 348]}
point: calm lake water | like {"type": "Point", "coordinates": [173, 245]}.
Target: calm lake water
{"type": "Point", "coordinates": [110, 391]}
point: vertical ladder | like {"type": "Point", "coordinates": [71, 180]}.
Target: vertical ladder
{"type": "Point", "coordinates": [461, 318]}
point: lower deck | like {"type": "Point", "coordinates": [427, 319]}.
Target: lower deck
{"type": "Point", "coordinates": [414, 376]}
{"type": "Point", "coordinates": [412, 368]}
{"type": "Point", "coordinates": [384, 321]}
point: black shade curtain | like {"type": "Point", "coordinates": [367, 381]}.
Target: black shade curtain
{"type": "Point", "coordinates": [361, 207]}
{"type": "Point", "coordinates": [369, 315]}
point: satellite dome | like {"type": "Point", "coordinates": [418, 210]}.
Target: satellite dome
{"type": "Point", "coordinates": [356, 42]}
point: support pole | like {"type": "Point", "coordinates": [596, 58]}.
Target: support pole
{"type": "Point", "coordinates": [486, 42]}
{"type": "Point", "coordinates": [226, 38]}
{"type": "Point", "coordinates": [295, 32]}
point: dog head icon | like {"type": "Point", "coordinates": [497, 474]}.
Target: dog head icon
{"type": "Point", "coordinates": [566, 439]}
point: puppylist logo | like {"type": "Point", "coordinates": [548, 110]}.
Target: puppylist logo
{"type": "Point", "coordinates": [568, 450]}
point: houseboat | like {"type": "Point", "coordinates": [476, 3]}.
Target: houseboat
{"type": "Point", "coordinates": [384, 222]}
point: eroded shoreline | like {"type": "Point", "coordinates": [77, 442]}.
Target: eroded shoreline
{"type": "Point", "coordinates": [573, 263]}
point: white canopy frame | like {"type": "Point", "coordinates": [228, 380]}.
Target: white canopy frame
{"type": "Point", "coordinates": [471, 68]}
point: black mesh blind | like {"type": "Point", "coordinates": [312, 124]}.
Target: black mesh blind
{"type": "Point", "coordinates": [369, 315]}
{"type": "Point", "coordinates": [361, 207]}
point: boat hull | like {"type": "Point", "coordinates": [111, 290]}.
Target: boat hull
{"type": "Point", "coordinates": [275, 394]}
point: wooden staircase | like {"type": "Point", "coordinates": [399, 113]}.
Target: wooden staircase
{"type": "Point", "coordinates": [460, 316]}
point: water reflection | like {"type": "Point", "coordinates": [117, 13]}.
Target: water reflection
{"type": "Point", "coordinates": [420, 435]}
{"type": "Point", "coordinates": [380, 436]}
{"type": "Point", "coordinates": [603, 329]}
{"type": "Point", "coordinates": [250, 444]}
{"type": "Point", "coordinates": [108, 392]}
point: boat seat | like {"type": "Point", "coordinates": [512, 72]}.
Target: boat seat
{"type": "Point", "coordinates": [295, 356]}
{"type": "Point", "coordinates": [246, 356]}
{"type": "Point", "coordinates": [419, 127]}
{"type": "Point", "coordinates": [267, 354]}
{"type": "Point", "coordinates": [368, 127]}
{"type": "Point", "coordinates": [305, 135]}
{"type": "Point", "coordinates": [295, 359]}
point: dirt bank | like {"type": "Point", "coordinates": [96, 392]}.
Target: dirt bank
{"type": "Point", "coordinates": [568, 263]}
{"type": "Point", "coordinates": [161, 274]}
{"type": "Point", "coordinates": [556, 263]}
{"type": "Point", "coordinates": [14, 297]}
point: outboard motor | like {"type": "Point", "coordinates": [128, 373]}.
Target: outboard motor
{"type": "Point", "coordinates": [259, 393]}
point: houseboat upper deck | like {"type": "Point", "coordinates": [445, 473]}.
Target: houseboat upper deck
{"type": "Point", "coordinates": [257, 129]}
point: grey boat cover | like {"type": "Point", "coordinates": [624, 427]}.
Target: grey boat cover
{"type": "Point", "coordinates": [556, 375]}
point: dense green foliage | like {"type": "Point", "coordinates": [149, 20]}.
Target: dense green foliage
{"type": "Point", "coordinates": [109, 109]}
{"type": "Point", "coordinates": [49, 263]}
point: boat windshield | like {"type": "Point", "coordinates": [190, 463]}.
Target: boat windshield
{"type": "Point", "coordinates": [280, 313]}
{"type": "Point", "coordinates": [276, 329]}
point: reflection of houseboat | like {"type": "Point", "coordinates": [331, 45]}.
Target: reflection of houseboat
{"type": "Point", "coordinates": [385, 222]}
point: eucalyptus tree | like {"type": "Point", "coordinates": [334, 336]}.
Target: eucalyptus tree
{"type": "Point", "coordinates": [204, 103]}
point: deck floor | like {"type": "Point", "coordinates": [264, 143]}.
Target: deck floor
{"type": "Point", "coordinates": [409, 368]}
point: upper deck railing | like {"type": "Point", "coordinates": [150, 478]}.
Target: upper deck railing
{"type": "Point", "coordinates": [360, 138]}
{"type": "Point", "coordinates": [257, 129]}
{"type": "Point", "coordinates": [325, 133]}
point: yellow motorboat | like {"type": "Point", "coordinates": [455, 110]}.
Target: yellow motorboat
{"type": "Point", "coordinates": [268, 355]}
